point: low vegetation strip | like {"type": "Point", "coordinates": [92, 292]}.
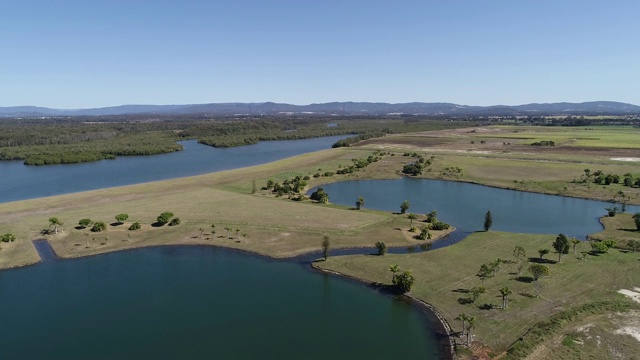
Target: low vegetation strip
{"type": "Point", "coordinates": [545, 329]}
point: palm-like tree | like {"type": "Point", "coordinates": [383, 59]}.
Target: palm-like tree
{"type": "Point", "coordinates": [575, 243]}
{"type": "Point", "coordinates": [505, 292]}
{"type": "Point", "coordinates": [394, 269]}
{"type": "Point", "coordinates": [228, 232]}
{"type": "Point", "coordinates": [54, 221]}
{"type": "Point", "coordinates": [471, 324]}
{"type": "Point", "coordinates": [237, 233]}
{"type": "Point", "coordinates": [411, 217]}
{"type": "Point", "coordinates": [463, 319]}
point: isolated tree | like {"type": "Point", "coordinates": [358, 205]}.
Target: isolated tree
{"type": "Point", "coordinates": [538, 270]}
{"type": "Point", "coordinates": [244, 237]}
{"type": "Point", "coordinates": [476, 291]}
{"type": "Point", "coordinates": [237, 233]}
{"type": "Point", "coordinates": [471, 324]}
{"type": "Point", "coordinates": [381, 247]}
{"type": "Point", "coordinates": [320, 196]}
{"type": "Point", "coordinates": [8, 238]}
{"type": "Point", "coordinates": [432, 216]}
{"type": "Point", "coordinates": [404, 207]}
{"type": "Point", "coordinates": [424, 234]}
{"type": "Point", "coordinates": [394, 270]}
{"type": "Point", "coordinates": [636, 219]}
{"type": "Point", "coordinates": [228, 232]}
{"type": "Point", "coordinates": [83, 223]}
{"type": "Point", "coordinates": [519, 253]}
{"type": "Point", "coordinates": [561, 245]}
{"type": "Point", "coordinates": [99, 226]}
{"type": "Point", "coordinates": [55, 222]}
{"type": "Point", "coordinates": [494, 266]}
{"type": "Point", "coordinates": [403, 281]}
{"type": "Point", "coordinates": [542, 253]}
{"type": "Point", "coordinates": [634, 245]}
{"type": "Point", "coordinates": [359, 203]}
{"type": "Point", "coordinates": [488, 221]}
{"type": "Point", "coordinates": [505, 292]}
{"type": "Point", "coordinates": [575, 243]}
{"type": "Point", "coordinates": [164, 218]}
{"type": "Point", "coordinates": [484, 273]}
{"type": "Point", "coordinates": [463, 319]}
{"type": "Point", "coordinates": [135, 226]}
{"type": "Point", "coordinates": [411, 217]}
{"type": "Point", "coordinates": [121, 218]}
{"type": "Point", "coordinates": [213, 229]}
{"type": "Point", "coordinates": [325, 247]}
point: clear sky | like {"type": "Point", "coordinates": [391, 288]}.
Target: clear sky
{"type": "Point", "coordinates": [90, 53]}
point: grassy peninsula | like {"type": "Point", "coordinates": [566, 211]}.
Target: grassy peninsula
{"type": "Point", "coordinates": [581, 290]}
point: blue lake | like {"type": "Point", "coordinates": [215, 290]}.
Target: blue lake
{"type": "Point", "coordinates": [19, 182]}
{"type": "Point", "coordinates": [465, 205]}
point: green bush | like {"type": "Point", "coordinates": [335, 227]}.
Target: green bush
{"type": "Point", "coordinates": [99, 226]}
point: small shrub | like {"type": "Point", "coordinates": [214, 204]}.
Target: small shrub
{"type": "Point", "coordinates": [99, 226]}
{"type": "Point", "coordinates": [174, 221]}
{"type": "Point", "coordinates": [135, 226]}
{"type": "Point", "coordinates": [8, 238]}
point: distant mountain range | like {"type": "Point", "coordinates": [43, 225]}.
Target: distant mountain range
{"type": "Point", "coordinates": [337, 108]}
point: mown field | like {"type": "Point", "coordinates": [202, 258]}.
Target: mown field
{"type": "Point", "coordinates": [445, 276]}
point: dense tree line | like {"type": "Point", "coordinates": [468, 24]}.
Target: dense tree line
{"type": "Point", "coordinates": [85, 139]}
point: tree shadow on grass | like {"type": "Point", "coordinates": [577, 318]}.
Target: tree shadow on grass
{"type": "Point", "coordinates": [630, 230]}
{"type": "Point", "coordinates": [80, 227]}
{"type": "Point", "coordinates": [157, 224]}
{"type": "Point", "coordinates": [116, 223]}
{"type": "Point", "coordinates": [460, 290]}
{"type": "Point", "coordinates": [524, 279]}
{"type": "Point", "coordinates": [537, 260]}
{"type": "Point", "coordinates": [486, 306]}
{"type": "Point", "coordinates": [528, 295]}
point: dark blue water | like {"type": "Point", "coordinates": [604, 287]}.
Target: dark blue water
{"type": "Point", "coordinates": [201, 302]}
{"type": "Point", "coordinates": [19, 182]}
{"type": "Point", "coordinates": [464, 205]}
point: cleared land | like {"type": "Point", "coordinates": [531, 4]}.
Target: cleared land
{"type": "Point", "coordinates": [502, 156]}
{"type": "Point", "coordinates": [445, 276]}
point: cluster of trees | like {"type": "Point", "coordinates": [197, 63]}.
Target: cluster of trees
{"type": "Point", "coordinates": [599, 177]}
{"type": "Point", "coordinates": [91, 138]}
{"type": "Point", "coordinates": [358, 164]}
{"type": "Point", "coordinates": [320, 196]}
{"type": "Point", "coordinates": [544, 143]}
{"type": "Point", "coordinates": [416, 168]}
{"type": "Point", "coordinates": [288, 186]}
{"type": "Point", "coordinates": [453, 172]}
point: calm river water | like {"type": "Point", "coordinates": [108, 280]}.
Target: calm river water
{"type": "Point", "coordinates": [19, 182]}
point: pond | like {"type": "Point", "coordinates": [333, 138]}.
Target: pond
{"type": "Point", "coordinates": [201, 302]}
{"type": "Point", "coordinates": [21, 182]}
{"type": "Point", "coordinates": [464, 205]}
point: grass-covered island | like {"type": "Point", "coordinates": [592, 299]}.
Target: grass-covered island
{"type": "Point", "coordinates": [492, 282]}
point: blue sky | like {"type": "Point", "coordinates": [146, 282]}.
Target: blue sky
{"type": "Point", "coordinates": [79, 54]}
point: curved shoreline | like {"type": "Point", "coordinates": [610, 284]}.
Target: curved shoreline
{"type": "Point", "coordinates": [443, 329]}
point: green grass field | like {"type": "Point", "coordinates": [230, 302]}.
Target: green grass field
{"type": "Point", "coordinates": [444, 276]}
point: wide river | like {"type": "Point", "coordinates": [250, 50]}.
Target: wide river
{"type": "Point", "coordinates": [191, 302]}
